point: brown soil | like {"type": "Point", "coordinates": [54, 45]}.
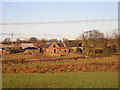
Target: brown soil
{"type": "Point", "coordinates": [108, 66]}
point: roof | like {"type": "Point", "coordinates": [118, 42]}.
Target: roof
{"type": "Point", "coordinates": [61, 44]}
{"type": "Point", "coordinates": [30, 48]}
{"type": "Point", "coordinates": [27, 45]}
{"type": "Point", "coordinates": [63, 48]}
{"type": "Point", "coordinates": [71, 44]}
{"type": "Point", "coordinates": [67, 43]}
{"type": "Point", "coordinates": [45, 46]}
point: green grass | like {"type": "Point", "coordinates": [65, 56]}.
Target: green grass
{"type": "Point", "coordinates": [62, 80]}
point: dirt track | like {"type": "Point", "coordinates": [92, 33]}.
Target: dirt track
{"type": "Point", "coordinates": [110, 66]}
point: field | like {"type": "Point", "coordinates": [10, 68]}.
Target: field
{"type": "Point", "coordinates": [59, 72]}
{"type": "Point", "coordinates": [57, 65]}
{"type": "Point", "coordinates": [62, 80]}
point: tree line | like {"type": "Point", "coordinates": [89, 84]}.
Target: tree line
{"type": "Point", "coordinates": [90, 38]}
{"type": "Point", "coordinates": [96, 41]}
{"type": "Point", "coordinates": [93, 41]}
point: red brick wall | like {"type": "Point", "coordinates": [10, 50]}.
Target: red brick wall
{"type": "Point", "coordinates": [53, 49]}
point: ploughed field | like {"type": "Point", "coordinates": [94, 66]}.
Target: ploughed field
{"type": "Point", "coordinates": [41, 63]}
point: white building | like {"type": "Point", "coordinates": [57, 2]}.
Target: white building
{"type": "Point", "coordinates": [25, 45]}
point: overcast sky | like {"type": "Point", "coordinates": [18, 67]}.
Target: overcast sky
{"type": "Point", "coordinates": [31, 12]}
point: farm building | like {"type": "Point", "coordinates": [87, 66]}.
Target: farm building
{"type": "Point", "coordinates": [11, 49]}
{"type": "Point", "coordinates": [25, 45]}
{"type": "Point", "coordinates": [30, 47]}
{"type": "Point", "coordinates": [62, 47]}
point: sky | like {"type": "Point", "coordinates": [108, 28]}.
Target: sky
{"type": "Point", "coordinates": [31, 12]}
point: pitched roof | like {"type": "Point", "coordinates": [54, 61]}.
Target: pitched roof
{"type": "Point", "coordinates": [67, 43]}
{"type": "Point", "coordinates": [45, 46]}
{"type": "Point", "coordinates": [71, 44]}
{"type": "Point", "coordinates": [63, 48]}
{"type": "Point", "coordinates": [61, 44]}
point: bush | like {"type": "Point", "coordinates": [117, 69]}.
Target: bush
{"type": "Point", "coordinates": [108, 51]}
{"type": "Point", "coordinates": [6, 43]}
{"type": "Point", "coordinates": [79, 50]}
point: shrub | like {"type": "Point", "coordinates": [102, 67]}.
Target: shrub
{"type": "Point", "coordinates": [79, 50]}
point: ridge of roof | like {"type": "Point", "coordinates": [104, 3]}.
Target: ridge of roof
{"type": "Point", "coordinates": [63, 44]}
{"type": "Point", "coordinates": [71, 44]}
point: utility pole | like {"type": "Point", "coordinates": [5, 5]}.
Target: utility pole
{"type": "Point", "coordinates": [12, 37]}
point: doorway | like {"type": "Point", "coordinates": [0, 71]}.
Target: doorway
{"type": "Point", "coordinates": [54, 50]}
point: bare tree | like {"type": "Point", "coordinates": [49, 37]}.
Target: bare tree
{"type": "Point", "coordinates": [43, 40]}
{"type": "Point", "coordinates": [53, 40]}
{"type": "Point", "coordinates": [65, 39]}
{"type": "Point", "coordinates": [33, 39]}
{"type": "Point", "coordinates": [93, 34]}
{"type": "Point", "coordinates": [7, 40]}
{"type": "Point", "coordinates": [114, 34]}
{"type": "Point", "coordinates": [18, 41]}
{"type": "Point", "coordinates": [115, 37]}
{"type": "Point", "coordinates": [90, 39]}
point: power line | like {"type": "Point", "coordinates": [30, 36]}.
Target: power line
{"type": "Point", "coordinates": [62, 22]}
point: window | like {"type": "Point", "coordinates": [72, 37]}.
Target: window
{"type": "Point", "coordinates": [60, 50]}
{"type": "Point", "coordinates": [54, 46]}
{"type": "Point", "coordinates": [54, 50]}
{"type": "Point", "coordinates": [65, 50]}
